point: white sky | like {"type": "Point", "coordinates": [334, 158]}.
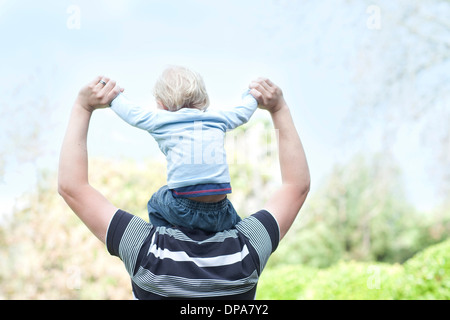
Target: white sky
{"type": "Point", "coordinates": [58, 46]}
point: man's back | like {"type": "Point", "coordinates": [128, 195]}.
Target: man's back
{"type": "Point", "coordinates": [182, 263]}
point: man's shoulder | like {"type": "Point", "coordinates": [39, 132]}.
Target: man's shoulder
{"type": "Point", "coordinates": [261, 224]}
{"type": "Point", "coordinates": [257, 235]}
{"type": "Point", "coordinates": [128, 226]}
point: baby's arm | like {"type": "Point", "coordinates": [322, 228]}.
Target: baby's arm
{"type": "Point", "coordinates": [237, 116]}
{"type": "Point", "coordinates": [133, 114]}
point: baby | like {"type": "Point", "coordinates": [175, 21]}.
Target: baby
{"type": "Point", "coordinates": [191, 136]}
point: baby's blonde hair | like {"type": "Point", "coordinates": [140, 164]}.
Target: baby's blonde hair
{"type": "Point", "coordinates": [178, 87]}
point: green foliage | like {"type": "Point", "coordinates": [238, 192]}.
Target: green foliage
{"type": "Point", "coordinates": [428, 274]}
{"type": "Point", "coordinates": [425, 276]}
{"type": "Point", "coordinates": [360, 213]}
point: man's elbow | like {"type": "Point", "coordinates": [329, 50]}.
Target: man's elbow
{"type": "Point", "coordinates": [297, 192]}
{"type": "Point", "coordinates": [307, 186]}
{"type": "Point", "coordinates": [67, 190]}
{"type": "Point", "coordinates": [64, 190]}
{"type": "Point", "coordinates": [302, 189]}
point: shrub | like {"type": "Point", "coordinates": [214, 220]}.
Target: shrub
{"type": "Point", "coordinates": [425, 276]}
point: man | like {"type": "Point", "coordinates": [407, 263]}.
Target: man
{"type": "Point", "coordinates": [175, 262]}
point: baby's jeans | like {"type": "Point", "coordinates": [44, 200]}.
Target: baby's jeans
{"type": "Point", "coordinates": [166, 210]}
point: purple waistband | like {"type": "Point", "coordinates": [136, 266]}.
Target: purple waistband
{"type": "Point", "coordinates": [202, 190]}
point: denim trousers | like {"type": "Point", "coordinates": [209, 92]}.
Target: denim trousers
{"type": "Point", "coordinates": [166, 210]}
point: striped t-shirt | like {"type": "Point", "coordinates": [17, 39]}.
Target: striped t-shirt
{"type": "Point", "coordinates": [181, 263]}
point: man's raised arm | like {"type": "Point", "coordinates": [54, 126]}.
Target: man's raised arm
{"type": "Point", "coordinates": [287, 201]}
{"type": "Point", "coordinates": [73, 184]}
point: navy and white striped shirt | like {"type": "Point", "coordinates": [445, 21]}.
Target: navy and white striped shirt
{"type": "Point", "coordinates": [181, 263]}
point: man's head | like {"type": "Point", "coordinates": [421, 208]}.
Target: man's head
{"type": "Point", "coordinates": [179, 87]}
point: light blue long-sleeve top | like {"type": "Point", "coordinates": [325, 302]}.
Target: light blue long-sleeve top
{"type": "Point", "coordinates": [192, 140]}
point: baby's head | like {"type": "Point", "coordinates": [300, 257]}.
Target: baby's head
{"type": "Point", "coordinates": [179, 87]}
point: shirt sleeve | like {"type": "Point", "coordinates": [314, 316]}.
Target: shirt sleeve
{"type": "Point", "coordinates": [237, 116]}
{"type": "Point", "coordinates": [125, 237]}
{"type": "Point", "coordinates": [262, 231]}
{"type": "Point", "coordinates": [133, 114]}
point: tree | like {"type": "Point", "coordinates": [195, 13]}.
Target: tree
{"type": "Point", "coordinates": [402, 75]}
{"type": "Point", "coordinates": [25, 116]}
{"type": "Point", "coordinates": [394, 60]}
{"type": "Point", "coordinates": [359, 213]}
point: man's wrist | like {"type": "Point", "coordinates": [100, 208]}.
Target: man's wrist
{"type": "Point", "coordinates": [82, 106]}
{"type": "Point", "coordinates": [280, 106]}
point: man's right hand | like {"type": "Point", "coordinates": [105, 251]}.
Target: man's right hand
{"type": "Point", "coordinates": [269, 95]}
